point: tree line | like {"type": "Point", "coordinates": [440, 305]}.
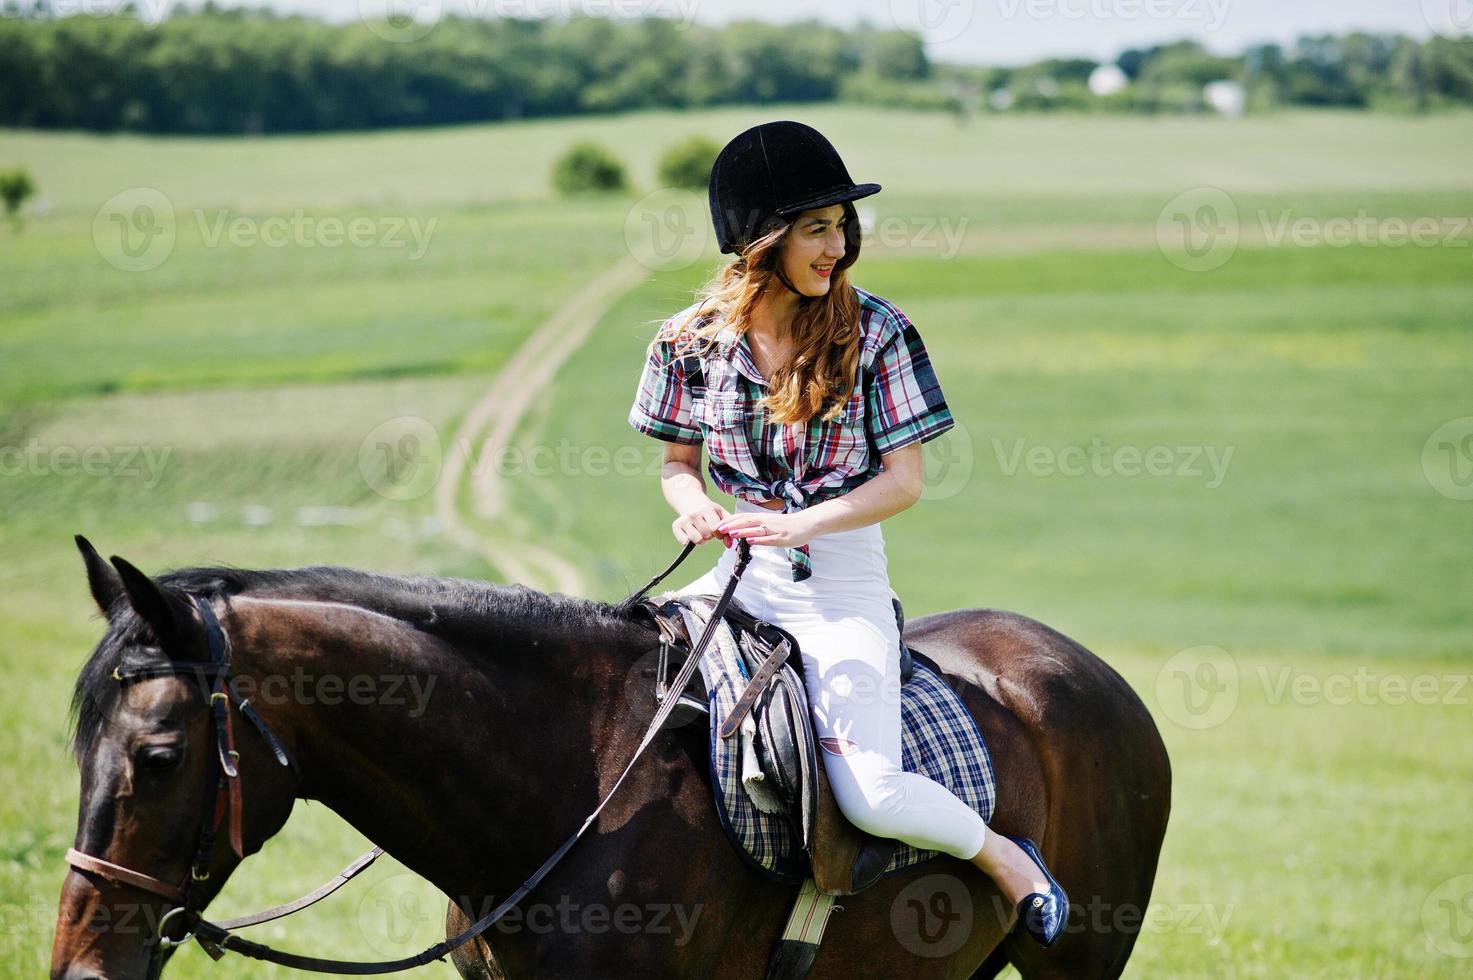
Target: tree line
{"type": "Point", "coordinates": [234, 71]}
{"type": "Point", "coordinates": [237, 71]}
{"type": "Point", "coordinates": [1353, 71]}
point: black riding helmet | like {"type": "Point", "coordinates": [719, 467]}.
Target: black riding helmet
{"type": "Point", "coordinates": [772, 172]}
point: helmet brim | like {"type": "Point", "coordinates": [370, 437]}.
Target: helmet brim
{"type": "Point", "coordinates": [834, 195]}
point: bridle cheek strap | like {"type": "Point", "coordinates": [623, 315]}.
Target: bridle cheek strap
{"type": "Point", "coordinates": [228, 798]}
{"type": "Point", "coordinates": [116, 872]}
{"type": "Point", "coordinates": [230, 771]}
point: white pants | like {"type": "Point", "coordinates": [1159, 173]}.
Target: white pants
{"type": "Point", "coordinates": [845, 625]}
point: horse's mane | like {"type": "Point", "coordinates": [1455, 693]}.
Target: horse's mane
{"type": "Point", "coordinates": [454, 609]}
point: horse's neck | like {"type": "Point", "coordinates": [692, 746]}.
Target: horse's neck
{"type": "Point", "coordinates": [443, 752]}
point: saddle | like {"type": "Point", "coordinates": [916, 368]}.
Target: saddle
{"type": "Point", "coordinates": [781, 772]}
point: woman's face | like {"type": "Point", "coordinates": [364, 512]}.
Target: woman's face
{"type": "Point", "coordinates": [813, 245]}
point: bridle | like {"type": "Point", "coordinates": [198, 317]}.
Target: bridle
{"type": "Point", "coordinates": [218, 937]}
{"type": "Point", "coordinates": [228, 798]}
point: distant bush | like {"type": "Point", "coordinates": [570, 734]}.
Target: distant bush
{"type": "Point", "coordinates": [688, 164]}
{"type": "Point", "coordinates": [15, 186]}
{"type": "Point", "coordinates": [588, 168]}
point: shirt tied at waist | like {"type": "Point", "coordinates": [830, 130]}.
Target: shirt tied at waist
{"type": "Point", "coordinates": [794, 498]}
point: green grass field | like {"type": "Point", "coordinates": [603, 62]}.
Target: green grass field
{"type": "Point", "coordinates": [1300, 537]}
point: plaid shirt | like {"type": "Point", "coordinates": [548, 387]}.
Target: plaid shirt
{"type": "Point", "coordinates": [900, 402]}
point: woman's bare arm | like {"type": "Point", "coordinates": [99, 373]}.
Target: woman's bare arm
{"type": "Point", "coordinates": [888, 493]}
{"type": "Point", "coordinates": [685, 491]}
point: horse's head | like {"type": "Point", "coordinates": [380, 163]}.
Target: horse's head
{"type": "Point", "coordinates": [147, 743]}
{"type": "Point", "coordinates": [321, 662]}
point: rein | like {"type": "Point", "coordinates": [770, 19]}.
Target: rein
{"type": "Point", "coordinates": [216, 938]}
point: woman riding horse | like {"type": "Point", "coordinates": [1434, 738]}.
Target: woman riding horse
{"type": "Point", "coordinates": [814, 397]}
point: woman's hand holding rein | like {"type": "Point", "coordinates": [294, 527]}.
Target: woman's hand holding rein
{"type": "Point", "coordinates": [699, 524]}
{"type": "Point", "coordinates": [685, 490]}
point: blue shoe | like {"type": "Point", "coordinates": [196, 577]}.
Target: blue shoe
{"type": "Point", "coordinates": [1042, 914]}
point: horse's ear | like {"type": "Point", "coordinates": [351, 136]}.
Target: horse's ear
{"type": "Point", "coordinates": [165, 610]}
{"type": "Point", "coordinates": [107, 586]}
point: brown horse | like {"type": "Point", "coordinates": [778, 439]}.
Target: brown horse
{"type": "Point", "coordinates": [467, 728]}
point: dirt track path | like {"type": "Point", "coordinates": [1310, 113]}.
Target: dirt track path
{"type": "Point", "coordinates": [493, 422]}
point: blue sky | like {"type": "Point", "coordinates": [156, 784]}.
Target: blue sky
{"type": "Point", "coordinates": [994, 31]}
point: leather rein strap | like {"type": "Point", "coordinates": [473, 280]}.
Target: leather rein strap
{"type": "Point", "coordinates": [217, 937]}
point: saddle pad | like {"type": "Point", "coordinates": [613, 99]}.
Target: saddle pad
{"type": "Point", "coordinates": [939, 739]}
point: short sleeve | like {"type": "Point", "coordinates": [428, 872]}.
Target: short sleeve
{"type": "Point", "coordinates": [662, 402]}
{"type": "Point", "coordinates": [905, 403]}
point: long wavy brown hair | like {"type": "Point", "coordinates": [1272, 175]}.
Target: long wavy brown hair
{"type": "Point", "coordinates": [825, 329]}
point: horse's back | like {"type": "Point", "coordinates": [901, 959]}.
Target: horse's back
{"type": "Point", "coordinates": [1047, 679]}
{"type": "Point", "coordinates": [1081, 769]}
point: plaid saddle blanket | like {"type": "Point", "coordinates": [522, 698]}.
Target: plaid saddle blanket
{"type": "Point", "coordinates": [939, 739]}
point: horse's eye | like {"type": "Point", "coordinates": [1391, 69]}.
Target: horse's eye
{"type": "Point", "coordinates": [158, 758]}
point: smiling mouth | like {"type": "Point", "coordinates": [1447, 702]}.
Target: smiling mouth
{"type": "Point", "coordinates": [823, 270]}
